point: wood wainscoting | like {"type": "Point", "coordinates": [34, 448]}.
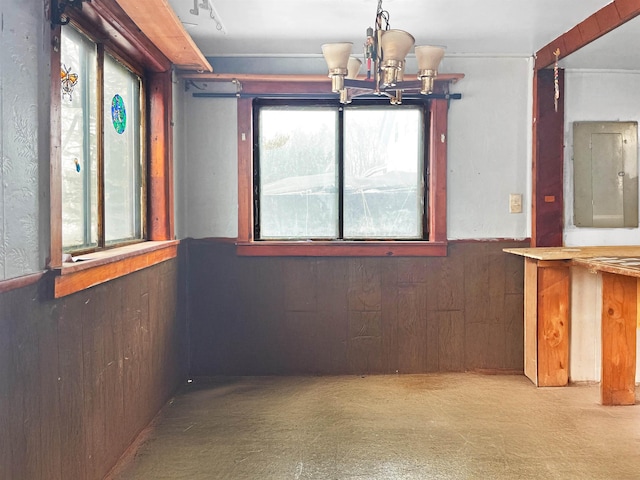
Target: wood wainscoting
{"type": "Point", "coordinates": [358, 315]}
{"type": "Point", "coordinates": [81, 376]}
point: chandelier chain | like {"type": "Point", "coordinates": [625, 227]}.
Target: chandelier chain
{"type": "Point", "coordinates": [381, 15]}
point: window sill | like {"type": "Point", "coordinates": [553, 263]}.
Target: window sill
{"type": "Point", "coordinates": [342, 249]}
{"type": "Point", "coordinates": [95, 268]}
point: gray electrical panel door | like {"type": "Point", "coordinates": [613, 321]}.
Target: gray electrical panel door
{"type": "Point", "coordinates": [605, 174]}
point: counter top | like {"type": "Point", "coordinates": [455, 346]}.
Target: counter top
{"type": "Point", "coordinates": [569, 253]}
{"type": "Point", "coordinates": [629, 266]}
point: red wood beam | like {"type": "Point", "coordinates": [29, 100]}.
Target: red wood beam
{"type": "Point", "coordinates": [548, 160]}
{"type": "Point", "coordinates": [601, 22]}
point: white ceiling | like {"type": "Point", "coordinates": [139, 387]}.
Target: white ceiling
{"type": "Point", "coordinates": [299, 27]}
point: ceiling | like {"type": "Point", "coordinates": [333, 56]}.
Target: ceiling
{"type": "Point", "coordinates": [299, 27]}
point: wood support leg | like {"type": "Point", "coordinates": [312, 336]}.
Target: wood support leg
{"type": "Point", "coordinates": [553, 325]}
{"type": "Point", "coordinates": [619, 316]}
{"type": "Point", "coordinates": [546, 330]}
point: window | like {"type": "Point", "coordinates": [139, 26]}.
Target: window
{"type": "Point", "coordinates": [111, 180]}
{"type": "Point", "coordinates": [257, 92]}
{"type": "Point", "coordinates": [101, 147]}
{"type": "Point", "coordinates": [334, 172]}
{"type": "Point", "coordinates": [366, 178]}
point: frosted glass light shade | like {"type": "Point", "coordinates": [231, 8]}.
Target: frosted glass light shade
{"type": "Point", "coordinates": [337, 58]}
{"type": "Point", "coordinates": [337, 55]}
{"type": "Point", "coordinates": [353, 67]}
{"type": "Point", "coordinates": [429, 57]}
{"type": "Point", "coordinates": [395, 45]}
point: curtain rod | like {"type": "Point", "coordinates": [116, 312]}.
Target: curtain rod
{"type": "Point", "coordinates": [321, 96]}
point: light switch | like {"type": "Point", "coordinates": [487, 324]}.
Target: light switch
{"type": "Point", "coordinates": [515, 203]}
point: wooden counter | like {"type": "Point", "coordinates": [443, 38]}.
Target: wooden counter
{"type": "Point", "coordinates": [622, 265]}
{"type": "Point", "coordinates": [547, 315]}
{"type": "Point", "coordinates": [569, 253]}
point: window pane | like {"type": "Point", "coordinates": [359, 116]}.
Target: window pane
{"type": "Point", "coordinates": [122, 156]}
{"type": "Point", "coordinates": [298, 182]}
{"type": "Point", "coordinates": [79, 153]}
{"type": "Point", "coordinates": [383, 163]}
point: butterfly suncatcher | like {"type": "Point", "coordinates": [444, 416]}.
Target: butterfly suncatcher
{"type": "Point", "coordinates": [68, 80]}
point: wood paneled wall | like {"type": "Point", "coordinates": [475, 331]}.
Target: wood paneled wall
{"type": "Point", "coordinates": [275, 315]}
{"type": "Point", "coordinates": [81, 376]}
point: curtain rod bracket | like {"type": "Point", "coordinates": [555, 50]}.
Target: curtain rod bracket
{"type": "Point", "coordinates": [238, 85]}
{"type": "Point", "coordinates": [58, 7]}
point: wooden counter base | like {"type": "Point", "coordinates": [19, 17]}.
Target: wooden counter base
{"type": "Point", "coordinates": [546, 322]}
{"type": "Point", "coordinates": [547, 315]}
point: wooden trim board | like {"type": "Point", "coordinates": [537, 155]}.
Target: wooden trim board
{"type": "Point", "coordinates": [157, 20]}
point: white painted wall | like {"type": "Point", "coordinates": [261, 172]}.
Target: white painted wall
{"type": "Point", "coordinates": [596, 96]}
{"type": "Point", "coordinates": [24, 138]}
{"type": "Point", "coordinates": [489, 153]}
{"type": "Point", "coordinates": [585, 352]}
{"type": "Point", "coordinates": [207, 173]}
{"type": "Point", "coordinates": [489, 149]}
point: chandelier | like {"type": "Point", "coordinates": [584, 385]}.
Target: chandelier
{"type": "Point", "coordinates": [384, 52]}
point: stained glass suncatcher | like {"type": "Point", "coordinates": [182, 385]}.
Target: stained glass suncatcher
{"type": "Point", "coordinates": [69, 80]}
{"type": "Point", "coordinates": [118, 114]}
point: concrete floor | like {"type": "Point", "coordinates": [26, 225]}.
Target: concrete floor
{"type": "Point", "coordinates": [444, 426]}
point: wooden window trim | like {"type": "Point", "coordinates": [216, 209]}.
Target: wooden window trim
{"type": "Point", "coordinates": [338, 248]}
{"type": "Point", "coordinates": [109, 21]}
{"type": "Point", "coordinates": [246, 246]}
{"type": "Point", "coordinates": [102, 266]}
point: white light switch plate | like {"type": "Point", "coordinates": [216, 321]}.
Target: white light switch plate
{"type": "Point", "coordinates": [515, 203]}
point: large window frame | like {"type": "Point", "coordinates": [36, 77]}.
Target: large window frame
{"type": "Point", "coordinates": [107, 22]}
{"type": "Point", "coordinates": [434, 245]}
{"type": "Point", "coordinates": [338, 204]}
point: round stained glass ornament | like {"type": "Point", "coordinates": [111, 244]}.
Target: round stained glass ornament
{"type": "Point", "coordinates": [118, 114]}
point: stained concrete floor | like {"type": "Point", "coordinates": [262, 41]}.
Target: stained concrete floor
{"type": "Point", "coordinates": [444, 426]}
